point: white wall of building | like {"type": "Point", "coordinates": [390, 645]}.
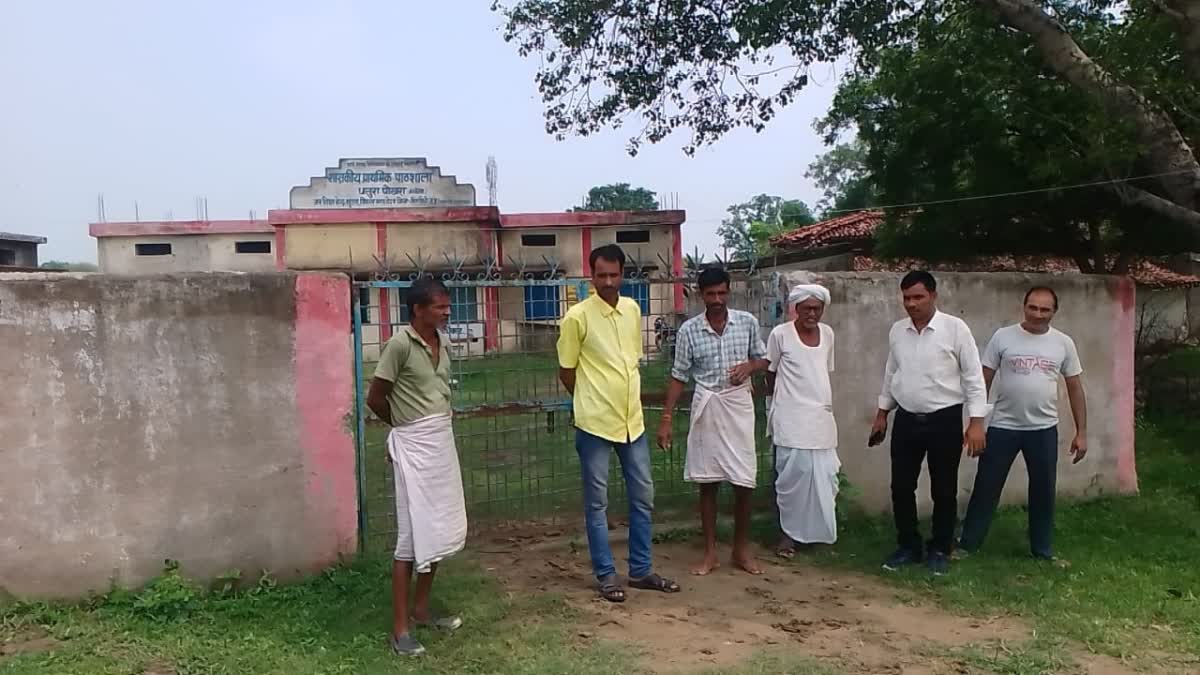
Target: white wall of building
{"type": "Point", "coordinates": [188, 253]}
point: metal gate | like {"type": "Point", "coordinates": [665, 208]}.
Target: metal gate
{"type": "Point", "coordinates": [512, 418]}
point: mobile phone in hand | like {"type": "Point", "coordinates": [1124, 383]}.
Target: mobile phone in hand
{"type": "Point", "coordinates": [875, 439]}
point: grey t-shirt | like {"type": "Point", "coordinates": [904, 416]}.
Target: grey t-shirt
{"type": "Point", "coordinates": [1027, 367]}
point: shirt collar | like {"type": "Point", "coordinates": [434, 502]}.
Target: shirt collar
{"type": "Point", "coordinates": [708, 326]}
{"type": "Point", "coordinates": [606, 309]}
{"type": "Point", "coordinates": [934, 324]}
{"type": "Point", "coordinates": [416, 338]}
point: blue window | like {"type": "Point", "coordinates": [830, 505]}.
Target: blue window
{"type": "Point", "coordinates": [463, 308]}
{"type": "Point", "coordinates": [398, 299]}
{"type": "Point", "coordinates": [542, 302]}
{"type": "Point", "coordinates": [364, 304]}
{"type": "Point", "coordinates": [638, 290]}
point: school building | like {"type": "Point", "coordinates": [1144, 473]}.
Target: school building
{"type": "Point", "coordinates": [390, 218]}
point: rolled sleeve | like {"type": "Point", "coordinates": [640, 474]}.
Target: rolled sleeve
{"type": "Point", "coordinates": [758, 350]}
{"type": "Point", "coordinates": [569, 336]}
{"type": "Point", "coordinates": [681, 369]}
{"type": "Point", "coordinates": [991, 353]}
{"type": "Point", "coordinates": [774, 352]}
{"type": "Point", "coordinates": [1071, 365]}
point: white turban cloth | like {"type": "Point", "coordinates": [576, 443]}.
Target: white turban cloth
{"type": "Point", "coordinates": [802, 292]}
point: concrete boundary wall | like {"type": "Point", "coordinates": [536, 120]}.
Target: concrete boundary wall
{"type": "Point", "coordinates": [203, 418]}
{"type": "Point", "coordinates": [1098, 312]}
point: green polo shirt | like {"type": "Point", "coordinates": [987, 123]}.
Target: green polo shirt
{"type": "Point", "coordinates": [419, 389]}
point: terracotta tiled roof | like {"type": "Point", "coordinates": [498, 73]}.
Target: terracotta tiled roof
{"type": "Point", "coordinates": [857, 226]}
{"type": "Point", "coordinates": [1151, 274]}
{"type": "Point", "coordinates": [1145, 272]}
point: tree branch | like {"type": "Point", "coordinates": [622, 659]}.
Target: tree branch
{"type": "Point", "coordinates": [1165, 147]}
{"type": "Point", "coordinates": [1142, 199]}
{"type": "Point", "coordinates": [1186, 15]}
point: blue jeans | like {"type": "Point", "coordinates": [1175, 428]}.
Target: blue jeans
{"type": "Point", "coordinates": [594, 453]}
{"type": "Point", "coordinates": [1040, 449]}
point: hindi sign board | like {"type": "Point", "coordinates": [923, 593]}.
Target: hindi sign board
{"type": "Point", "coordinates": [382, 183]}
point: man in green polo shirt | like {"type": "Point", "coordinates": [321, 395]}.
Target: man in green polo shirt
{"type": "Point", "coordinates": [411, 392]}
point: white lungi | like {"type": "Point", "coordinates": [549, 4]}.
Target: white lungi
{"type": "Point", "coordinates": [720, 442]}
{"type": "Point", "coordinates": [806, 491]}
{"type": "Point", "coordinates": [431, 513]}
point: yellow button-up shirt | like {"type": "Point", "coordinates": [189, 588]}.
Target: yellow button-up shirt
{"type": "Point", "coordinates": [604, 345]}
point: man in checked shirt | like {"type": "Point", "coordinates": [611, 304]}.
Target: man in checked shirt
{"type": "Point", "coordinates": [720, 350]}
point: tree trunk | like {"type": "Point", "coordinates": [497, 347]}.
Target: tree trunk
{"type": "Point", "coordinates": [1121, 264]}
{"type": "Point", "coordinates": [1166, 150]}
{"type": "Point", "coordinates": [1186, 14]}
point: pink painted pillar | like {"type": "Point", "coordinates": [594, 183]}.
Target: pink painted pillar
{"type": "Point", "coordinates": [586, 252]}
{"type": "Point", "coordinates": [385, 310]}
{"type": "Point", "coordinates": [1124, 329]}
{"type": "Point", "coordinates": [677, 265]}
{"type": "Point", "coordinates": [324, 389]}
{"type": "Point", "coordinates": [281, 247]}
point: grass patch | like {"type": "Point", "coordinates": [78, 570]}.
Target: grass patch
{"type": "Point", "coordinates": [1132, 585]}
{"type": "Point", "coordinates": [336, 622]}
{"type": "Point", "coordinates": [774, 663]}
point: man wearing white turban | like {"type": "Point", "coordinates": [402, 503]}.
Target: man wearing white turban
{"type": "Point", "coordinates": [801, 423]}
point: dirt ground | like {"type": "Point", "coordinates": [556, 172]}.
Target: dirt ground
{"type": "Point", "coordinates": [852, 623]}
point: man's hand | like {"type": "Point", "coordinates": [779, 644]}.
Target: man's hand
{"type": "Point", "coordinates": [665, 433]}
{"type": "Point", "coordinates": [1078, 448]}
{"type": "Point", "coordinates": [975, 440]}
{"type": "Point", "coordinates": [878, 429]}
{"type": "Point", "coordinates": [741, 372]}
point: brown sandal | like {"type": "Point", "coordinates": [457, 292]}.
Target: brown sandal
{"type": "Point", "coordinates": [653, 582]}
{"type": "Point", "coordinates": [610, 591]}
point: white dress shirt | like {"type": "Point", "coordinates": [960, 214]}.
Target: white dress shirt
{"type": "Point", "coordinates": [933, 369]}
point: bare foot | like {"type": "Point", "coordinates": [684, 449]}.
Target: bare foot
{"type": "Point", "coordinates": [707, 565]}
{"type": "Point", "coordinates": [745, 562]}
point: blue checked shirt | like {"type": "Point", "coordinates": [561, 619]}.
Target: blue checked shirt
{"type": "Point", "coordinates": [704, 356]}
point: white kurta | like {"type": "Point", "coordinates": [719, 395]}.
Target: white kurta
{"type": "Point", "coordinates": [801, 423]}
{"type": "Point", "coordinates": [720, 443]}
{"type": "Point", "coordinates": [431, 514]}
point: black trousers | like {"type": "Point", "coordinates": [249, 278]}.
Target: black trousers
{"type": "Point", "coordinates": [937, 436]}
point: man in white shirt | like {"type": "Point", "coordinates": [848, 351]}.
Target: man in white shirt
{"type": "Point", "coordinates": [1022, 363]}
{"type": "Point", "coordinates": [801, 423]}
{"type": "Point", "coordinates": [932, 370]}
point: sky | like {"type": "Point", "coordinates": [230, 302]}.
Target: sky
{"type": "Point", "coordinates": [161, 102]}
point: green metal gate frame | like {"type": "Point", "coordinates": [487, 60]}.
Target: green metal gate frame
{"type": "Point", "coordinates": [513, 421]}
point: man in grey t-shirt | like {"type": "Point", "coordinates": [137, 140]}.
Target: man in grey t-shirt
{"type": "Point", "coordinates": [1024, 362]}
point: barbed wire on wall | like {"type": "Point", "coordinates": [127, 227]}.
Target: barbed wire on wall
{"type": "Point", "coordinates": [457, 267]}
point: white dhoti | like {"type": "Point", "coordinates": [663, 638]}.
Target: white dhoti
{"type": "Point", "coordinates": [806, 489]}
{"type": "Point", "coordinates": [720, 442]}
{"type": "Point", "coordinates": [431, 513]}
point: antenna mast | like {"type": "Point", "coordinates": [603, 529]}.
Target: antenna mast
{"type": "Point", "coordinates": [493, 178]}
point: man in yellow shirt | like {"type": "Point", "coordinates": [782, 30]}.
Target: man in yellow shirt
{"type": "Point", "coordinates": [599, 349]}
